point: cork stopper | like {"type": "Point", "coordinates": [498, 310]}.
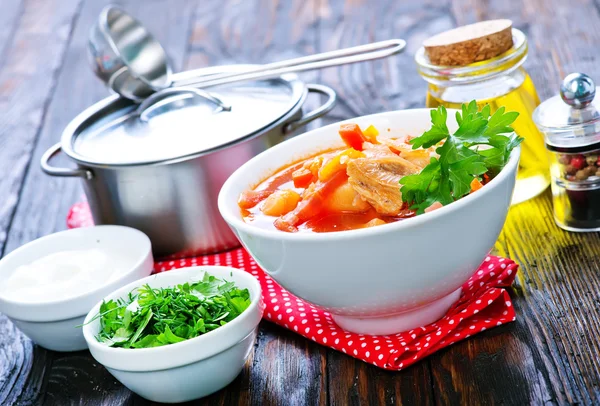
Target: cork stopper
{"type": "Point", "coordinates": [470, 43]}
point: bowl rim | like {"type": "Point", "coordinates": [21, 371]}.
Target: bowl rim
{"type": "Point", "coordinates": [218, 340]}
{"type": "Point", "coordinates": [146, 250]}
{"type": "Point", "coordinates": [235, 221]}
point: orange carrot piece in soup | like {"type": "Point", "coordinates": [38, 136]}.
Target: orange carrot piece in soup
{"type": "Point", "coordinates": [311, 205]}
{"type": "Point", "coordinates": [250, 198]}
{"type": "Point", "coordinates": [352, 136]}
{"type": "Point", "coordinates": [394, 149]}
{"type": "Point", "coordinates": [476, 185]}
{"type": "Point", "coordinates": [302, 177]}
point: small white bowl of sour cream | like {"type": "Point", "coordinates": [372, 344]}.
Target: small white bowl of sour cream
{"type": "Point", "coordinates": [49, 285]}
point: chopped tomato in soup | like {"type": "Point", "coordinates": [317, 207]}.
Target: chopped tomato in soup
{"type": "Point", "coordinates": [352, 136]}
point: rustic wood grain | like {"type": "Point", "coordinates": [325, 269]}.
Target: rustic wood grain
{"type": "Point", "coordinates": [285, 369]}
{"type": "Point", "coordinates": [32, 45]}
{"type": "Point", "coordinates": [32, 54]}
{"type": "Point", "coordinates": [550, 355]}
{"type": "Point", "coordinates": [384, 85]}
{"type": "Point", "coordinates": [44, 200]}
{"type": "Point", "coordinates": [9, 21]}
{"type": "Point", "coordinates": [358, 383]}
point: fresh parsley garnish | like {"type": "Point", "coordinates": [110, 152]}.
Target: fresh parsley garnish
{"type": "Point", "coordinates": [461, 158]}
{"type": "Point", "coordinates": [153, 317]}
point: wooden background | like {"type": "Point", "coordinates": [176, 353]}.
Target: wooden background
{"type": "Point", "coordinates": [550, 355]}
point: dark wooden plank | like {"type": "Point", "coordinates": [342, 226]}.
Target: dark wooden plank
{"type": "Point", "coordinates": [550, 354]}
{"type": "Point", "coordinates": [368, 88]}
{"type": "Point", "coordinates": [44, 200]}
{"type": "Point", "coordinates": [33, 41]}
{"type": "Point", "coordinates": [76, 379]}
{"type": "Point", "coordinates": [27, 78]}
{"type": "Point", "coordinates": [291, 368]}
{"type": "Point", "coordinates": [16, 363]}
{"type": "Point", "coordinates": [282, 371]}
{"type": "Point", "coordinates": [357, 383]}
{"type": "Point", "coordinates": [384, 85]}
{"type": "Point", "coordinates": [9, 21]}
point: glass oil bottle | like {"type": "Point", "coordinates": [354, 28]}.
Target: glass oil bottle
{"type": "Point", "coordinates": [499, 81]}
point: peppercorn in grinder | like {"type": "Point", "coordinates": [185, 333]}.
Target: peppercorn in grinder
{"type": "Point", "coordinates": [570, 124]}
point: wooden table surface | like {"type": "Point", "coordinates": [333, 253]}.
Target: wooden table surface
{"type": "Point", "coordinates": [550, 355]}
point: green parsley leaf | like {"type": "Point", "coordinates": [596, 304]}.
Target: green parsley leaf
{"type": "Point", "coordinates": [170, 337]}
{"type": "Point", "coordinates": [148, 341]}
{"type": "Point", "coordinates": [436, 133]}
{"type": "Point", "coordinates": [142, 326]}
{"type": "Point", "coordinates": [481, 145]}
{"type": "Point", "coordinates": [416, 188]}
{"type": "Point", "coordinates": [153, 317]}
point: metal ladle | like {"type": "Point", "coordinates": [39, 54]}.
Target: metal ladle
{"type": "Point", "coordinates": [133, 64]}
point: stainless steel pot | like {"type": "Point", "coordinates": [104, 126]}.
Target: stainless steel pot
{"type": "Point", "coordinates": [159, 166]}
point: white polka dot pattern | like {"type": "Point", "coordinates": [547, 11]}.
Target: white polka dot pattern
{"type": "Point", "coordinates": [482, 306]}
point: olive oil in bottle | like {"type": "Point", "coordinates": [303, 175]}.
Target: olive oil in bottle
{"type": "Point", "coordinates": [499, 81]}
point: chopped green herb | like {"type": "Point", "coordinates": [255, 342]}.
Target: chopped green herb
{"type": "Point", "coordinates": [152, 317]}
{"type": "Point", "coordinates": [461, 158]}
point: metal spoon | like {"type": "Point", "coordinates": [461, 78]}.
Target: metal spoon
{"type": "Point", "coordinates": [133, 64]}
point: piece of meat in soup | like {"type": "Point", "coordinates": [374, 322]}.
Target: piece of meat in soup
{"type": "Point", "coordinates": [377, 179]}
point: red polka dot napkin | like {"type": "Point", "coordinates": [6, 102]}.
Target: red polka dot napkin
{"type": "Point", "coordinates": [484, 304]}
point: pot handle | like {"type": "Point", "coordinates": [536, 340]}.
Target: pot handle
{"type": "Point", "coordinates": [321, 111]}
{"type": "Point", "coordinates": [65, 172]}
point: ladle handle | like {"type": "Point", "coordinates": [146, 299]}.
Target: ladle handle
{"type": "Point", "coordinates": [361, 53]}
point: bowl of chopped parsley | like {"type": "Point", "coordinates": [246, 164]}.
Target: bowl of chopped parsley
{"type": "Point", "coordinates": [178, 335]}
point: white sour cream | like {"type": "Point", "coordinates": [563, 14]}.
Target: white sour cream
{"type": "Point", "coordinates": [62, 275]}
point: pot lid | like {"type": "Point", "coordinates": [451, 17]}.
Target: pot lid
{"type": "Point", "coordinates": [179, 122]}
{"type": "Point", "coordinates": [571, 119]}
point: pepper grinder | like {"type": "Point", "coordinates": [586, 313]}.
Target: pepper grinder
{"type": "Point", "coordinates": [570, 124]}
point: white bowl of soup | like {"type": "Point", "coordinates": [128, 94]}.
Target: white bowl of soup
{"type": "Point", "coordinates": [356, 250]}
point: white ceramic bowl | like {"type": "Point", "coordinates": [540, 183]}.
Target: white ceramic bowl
{"type": "Point", "coordinates": [383, 279]}
{"type": "Point", "coordinates": [190, 369]}
{"type": "Point", "coordinates": [52, 324]}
